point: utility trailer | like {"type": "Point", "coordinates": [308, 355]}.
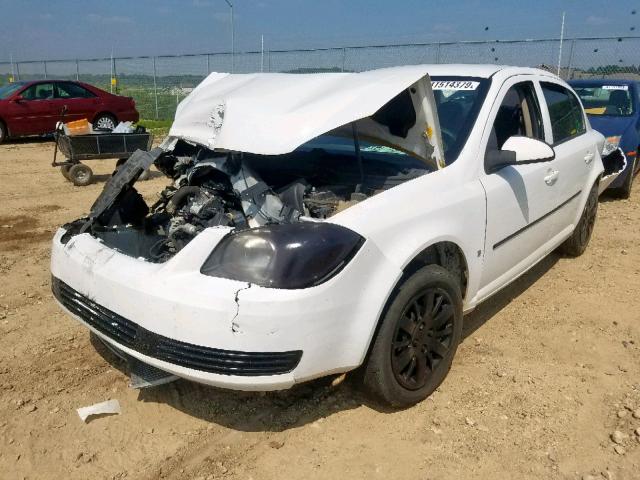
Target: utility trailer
{"type": "Point", "coordinates": [95, 146]}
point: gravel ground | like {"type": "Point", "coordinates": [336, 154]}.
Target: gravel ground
{"type": "Point", "coordinates": [546, 384]}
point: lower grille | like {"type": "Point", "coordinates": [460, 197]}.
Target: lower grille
{"type": "Point", "coordinates": [196, 357]}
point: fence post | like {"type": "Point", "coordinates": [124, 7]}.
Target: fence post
{"type": "Point", "coordinates": [269, 61]}
{"type": "Point", "coordinates": [344, 57]}
{"type": "Point", "coordinates": [570, 64]}
{"type": "Point", "coordinates": [208, 66]}
{"type": "Point", "coordinates": [18, 71]}
{"type": "Point", "coordinates": [77, 70]}
{"type": "Point", "coordinates": [45, 69]}
{"type": "Point", "coordinates": [155, 85]}
{"type": "Point", "coordinates": [438, 53]}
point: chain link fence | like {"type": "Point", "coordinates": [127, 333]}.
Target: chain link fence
{"type": "Point", "coordinates": [159, 83]}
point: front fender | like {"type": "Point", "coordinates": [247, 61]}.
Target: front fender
{"type": "Point", "coordinates": [407, 219]}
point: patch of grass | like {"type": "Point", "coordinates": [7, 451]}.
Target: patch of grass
{"type": "Point", "coordinates": [157, 127]}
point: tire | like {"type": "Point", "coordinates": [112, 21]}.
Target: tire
{"type": "Point", "coordinates": [3, 132]}
{"type": "Point", "coordinates": [64, 170]}
{"type": "Point", "coordinates": [407, 362]}
{"type": "Point", "coordinates": [576, 244]}
{"type": "Point", "coordinates": [80, 175]}
{"type": "Point", "coordinates": [625, 190]}
{"type": "Point", "coordinates": [105, 121]}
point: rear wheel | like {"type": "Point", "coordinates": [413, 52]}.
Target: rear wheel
{"type": "Point", "coordinates": [576, 244]}
{"type": "Point", "coordinates": [80, 175]}
{"type": "Point", "coordinates": [105, 121]}
{"type": "Point", "coordinates": [418, 337]}
{"type": "Point", "coordinates": [3, 132]}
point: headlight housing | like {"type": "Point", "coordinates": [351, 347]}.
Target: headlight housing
{"type": "Point", "coordinates": [290, 256]}
{"type": "Point", "coordinates": [610, 145]}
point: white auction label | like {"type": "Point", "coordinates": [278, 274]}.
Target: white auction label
{"type": "Point", "coordinates": [454, 85]}
{"type": "Point", "coordinates": [615, 87]}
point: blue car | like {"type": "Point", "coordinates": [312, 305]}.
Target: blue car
{"type": "Point", "coordinates": [613, 107]}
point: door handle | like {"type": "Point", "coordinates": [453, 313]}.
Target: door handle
{"type": "Point", "coordinates": [588, 158]}
{"type": "Point", "coordinates": [552, 177]}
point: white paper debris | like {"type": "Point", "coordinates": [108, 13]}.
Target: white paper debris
{"type": "Point", "coordinates": [124, 127]}
{"type": "Point", "coordinates": [108, 407]}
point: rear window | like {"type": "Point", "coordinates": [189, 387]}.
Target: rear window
{"type": "Point", "coordinates": [567, 120]}
{"type": "Point", "coordinates": [606, 99]}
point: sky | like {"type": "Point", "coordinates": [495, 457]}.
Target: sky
{"type": "Point", "coordinates": [68, 29]}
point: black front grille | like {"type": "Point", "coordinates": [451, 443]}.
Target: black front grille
{"type": "Point", "coordinates": [206, 359]}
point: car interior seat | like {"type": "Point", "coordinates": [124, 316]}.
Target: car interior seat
{"type": "Point", "coordinates": [618, 103]}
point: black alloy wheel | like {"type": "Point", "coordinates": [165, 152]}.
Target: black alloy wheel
{"type": "Point", "coordinates": [423, 337]}
{"type": "Point", "coordinates": [417, 339]}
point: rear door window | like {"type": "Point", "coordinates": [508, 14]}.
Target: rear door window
{"type": "Point", "coordinates": [565, 112]}
{"type": "Point", "coordinates": [72, 90]}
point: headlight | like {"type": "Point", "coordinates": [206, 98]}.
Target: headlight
{"type": "Point", "coordinates": [296, 255]}
{"type": "Point", "coordinates": [610, 145]}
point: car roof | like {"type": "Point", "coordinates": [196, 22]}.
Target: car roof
{"type": "Point", "coordinates": [601, 81]}
{"type": "Point", "coordinates": [479, 70]}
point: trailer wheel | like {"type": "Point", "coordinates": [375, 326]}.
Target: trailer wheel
{"type": "Point", "coordinates": [80, 175]}
{"type": "Point", "coordinates": [64, 170]}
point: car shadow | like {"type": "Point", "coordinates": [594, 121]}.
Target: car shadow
{"type": "Point", "coordinates": [487, 309]}
{"type": "Point", "coordinates": [28, 140]}
{"type": "Point", "coordinates": [248, 411]}
{"type": "Point", "coordinates": [305, 403]}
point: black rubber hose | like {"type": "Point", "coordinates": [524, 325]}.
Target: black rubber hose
{"type": "Point", "coordinates": [180, 197]}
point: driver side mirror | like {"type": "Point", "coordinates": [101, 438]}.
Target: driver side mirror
{"type": "Point", "coordinates": [518, 150]}
{"type": "Point", "coordinates": [18, 99]}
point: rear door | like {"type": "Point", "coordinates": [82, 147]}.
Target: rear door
{"type": "Point", "coordinates": [574, 147]}
{"type": "Point", "coordinates": [79, 102]}
{"type": "Point", "coordinates": [522, 200]}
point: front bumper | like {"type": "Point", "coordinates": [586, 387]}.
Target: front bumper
{"type": "Point", "coordinates": [217, 331]}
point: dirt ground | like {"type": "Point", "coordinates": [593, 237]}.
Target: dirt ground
{"type": "Point", "coordinates": [548, 371]}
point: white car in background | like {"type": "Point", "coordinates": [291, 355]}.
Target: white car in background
{"type": "Point", "coordinates": [319, 223]}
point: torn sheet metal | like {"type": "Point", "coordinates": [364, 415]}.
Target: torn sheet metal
{"type": "Point", "coordinates": [125, 176]}
{"type": "Point", "coordinates": [110, 407]}
{"type": "Point", "coordinates": [274, 113]}
{"type": "Point", "coordinates": [615, 162]}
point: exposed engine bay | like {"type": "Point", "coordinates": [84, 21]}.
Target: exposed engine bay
{"type": "Point", "coordinates": [239, 190]}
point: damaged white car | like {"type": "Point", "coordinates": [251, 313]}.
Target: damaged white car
{"type": "Point", "coordinates": [323, 222]}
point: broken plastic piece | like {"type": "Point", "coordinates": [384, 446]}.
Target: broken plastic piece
{"type": "Point", "coordinates": [110, 407]}
{"type": "Point", "coordinates": [144, 375]}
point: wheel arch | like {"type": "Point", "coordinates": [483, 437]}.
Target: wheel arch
{"type": "Point", "coordinates": [105, 112]}
{"type": "Point", "coordinates": [445, 253]}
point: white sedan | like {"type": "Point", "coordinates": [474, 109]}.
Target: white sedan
{"type": "Point", "coordinates": [314, 224]}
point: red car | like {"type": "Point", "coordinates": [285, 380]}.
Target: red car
{"type": "Point", "coordinates": [34, 108]}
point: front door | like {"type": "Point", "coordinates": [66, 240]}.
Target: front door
{"type": "Point", "coordinates": [32, 113]}
{"type": "Point", "coordinates": [521, 199]}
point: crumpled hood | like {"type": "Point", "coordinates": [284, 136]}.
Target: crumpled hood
{"type": "Point", "coordinates": [274, 113]}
